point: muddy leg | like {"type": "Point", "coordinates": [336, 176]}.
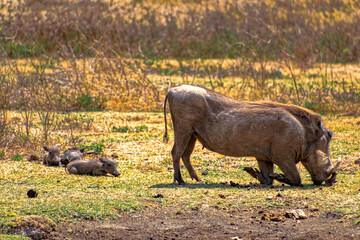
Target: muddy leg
{"type": "Point", "coordinates": [180, 143]}
{"type": "Point", "coordinates": [291, 177]}
{"type": "Point", "coordinates": [186, 158]}
{"type": "Point", "coordinates": [266, 168]}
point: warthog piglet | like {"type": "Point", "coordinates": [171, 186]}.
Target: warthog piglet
{"type": "Point", "coordinates": [52, 157]}
{"type": "Point", "coordinates": [99, 167]}
{"type": "Point", "coordinates": [72, 154]}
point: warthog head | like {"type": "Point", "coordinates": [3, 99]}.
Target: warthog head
{"type": "Point", "coordinates": [53, 156]}
{"type": "Point", "coordinates": [109, 166]}
{"type": "Point", "coordinates": [318, 162]}
{"type": "Point", "coordinates": [72, 154]}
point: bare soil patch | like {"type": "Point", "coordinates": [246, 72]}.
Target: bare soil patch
{"type": "Point", "coordinates": [210, 223]}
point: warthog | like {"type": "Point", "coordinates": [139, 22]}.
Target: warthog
{"type": "Point", "coordinates": [273, 133]}
{"type": "Point", "coordinates": [72, 154]}
{"type": "Point", "coordinates": [99, 167]}
{"type": "Point", "coordinates": [52, 157]}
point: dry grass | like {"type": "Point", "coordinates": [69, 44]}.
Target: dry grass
{"type": "Point", "coordinates": [145, 163]}
{"type": "Point", "coordinates": [45, 92]}
{"type": "Point", "coordinates": [305, 31]}
{"type": "Point", "coordinates": [83, 62]}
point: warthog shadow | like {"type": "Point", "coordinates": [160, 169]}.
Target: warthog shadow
{"type": "Point", "coordinates": [239, 186]}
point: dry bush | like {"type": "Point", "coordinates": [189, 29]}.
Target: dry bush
{"type": "Point", "coordinates": [102, 55]}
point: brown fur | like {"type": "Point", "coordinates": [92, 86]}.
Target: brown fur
{"type": "Point", "coordinates": [273, 133]}
{"type": "Point", "coordinates": [99, 167]}
{"type": "Point", "coordinates": [72, 154]}
{"type": "Point", "coordinates": [52, 157]}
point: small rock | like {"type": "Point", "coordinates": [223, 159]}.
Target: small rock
{"type": "Point", "coordinates": [296, 214]}
{"type": "Point", "coordinates": [32, 193]}
{"type": "Point", "coordinates": [158, 196]}
{"type": "Point", "coordinates": [236, 238]}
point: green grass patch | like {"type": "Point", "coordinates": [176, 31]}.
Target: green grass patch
{"type": "Point", "coordinates": [145, 164]}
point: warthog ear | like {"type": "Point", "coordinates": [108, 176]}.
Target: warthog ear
{"type": "Point", "coordinates": [103, 160]}
{"type": "Point", "coordinates": [82, 150]}
{"type": "Point", "coordinates": [46, 148]}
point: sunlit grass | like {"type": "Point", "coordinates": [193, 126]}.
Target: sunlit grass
{"type": "Point", "coordinates": [146, 170]}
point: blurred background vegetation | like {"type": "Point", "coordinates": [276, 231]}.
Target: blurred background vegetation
{"type": "Point", "coordinates": [89, 55]}
{"type": "Point", "coordinates": [307, 30]}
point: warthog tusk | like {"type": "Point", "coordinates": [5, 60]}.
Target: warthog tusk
{"type": "Point", "coordinates": [332, 168]}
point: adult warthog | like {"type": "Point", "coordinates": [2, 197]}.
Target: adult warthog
{"type": "Point", "coordinates": [273, 133]}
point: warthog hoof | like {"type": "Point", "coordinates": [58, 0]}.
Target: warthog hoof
{"type": "Point", "coordinates": [282, 178]}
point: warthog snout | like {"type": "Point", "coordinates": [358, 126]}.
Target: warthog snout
{"type": "Point", "coordinates": [322, 168]}
{"type": "Point", "coordinates": [109, 166]}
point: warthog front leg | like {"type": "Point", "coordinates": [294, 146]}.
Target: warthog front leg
{"type": "Point", "coordinates": [98, 172]}
{"type": "Point", "coordinates": [291, 175]}
{"type": "Point", "coordinates": [266, 168]}
{"type": "Point", "coordinates": [280, 177]}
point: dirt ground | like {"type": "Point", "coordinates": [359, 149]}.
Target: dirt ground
{"type": "Point", "coordinates": [291, 221]}
{"type": "Point", "coordinates": [208, 223]}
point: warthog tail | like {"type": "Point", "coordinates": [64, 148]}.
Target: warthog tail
{"type": "Point", "coordinates": [166, 137]}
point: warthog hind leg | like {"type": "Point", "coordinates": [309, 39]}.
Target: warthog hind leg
{"type": "Point", "coordinates": [186, 158]}
{"type": "Point", "coordinates": [180, 145]}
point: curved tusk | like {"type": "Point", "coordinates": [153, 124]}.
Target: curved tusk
{"type": "Point", "coordinates": [333, 167]}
